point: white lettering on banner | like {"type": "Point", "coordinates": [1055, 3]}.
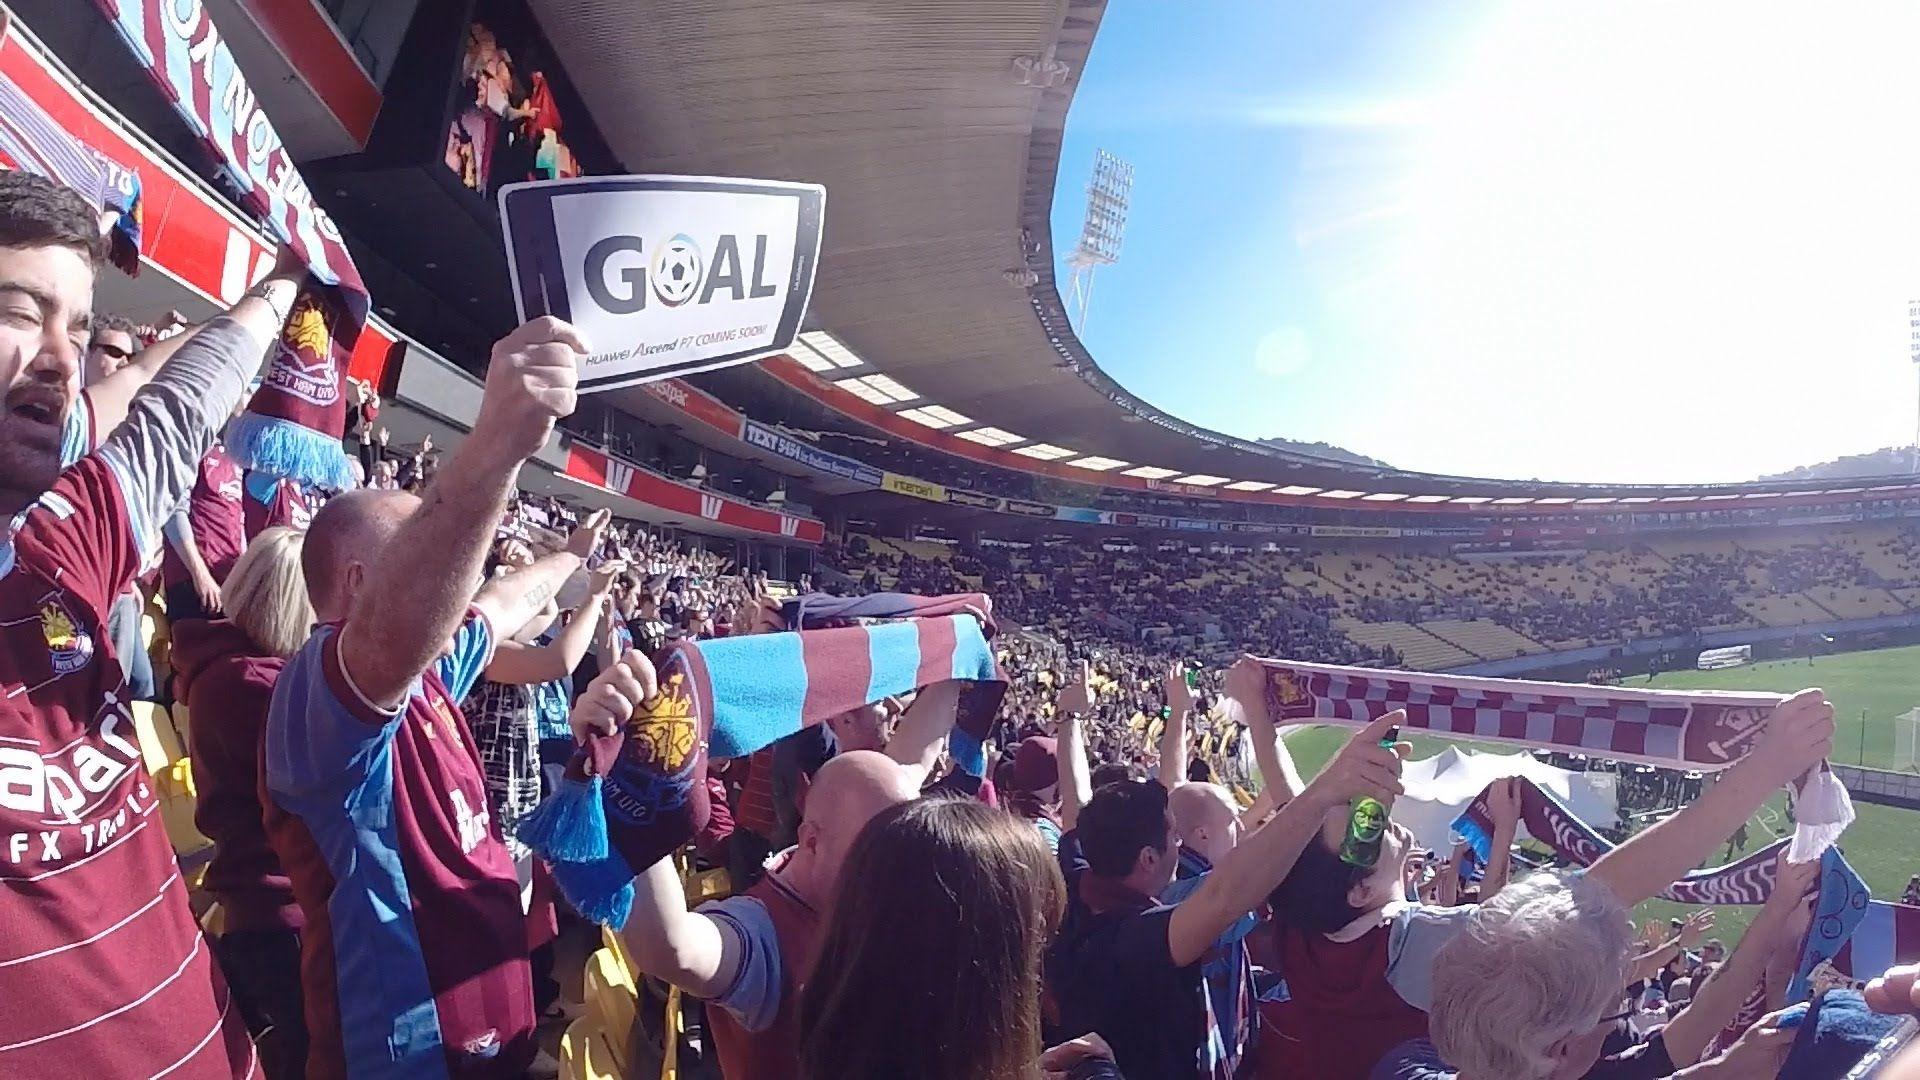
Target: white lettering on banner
{"type": "Point", "coordinates": [789, 525]}
{"type": "Point", "coordinates": [212, 94]}
{"type": "Point", "coordinates": [668, 275]}
{"type": "Point", "coordinates": [619, 475]}
{"type": "Point", "coordinates": [670, 392]}
{"type": "Point", "coordinates": [710, 507]}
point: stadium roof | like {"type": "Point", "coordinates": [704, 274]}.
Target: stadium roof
{"type": "Point", "coordinates": [936, 128]}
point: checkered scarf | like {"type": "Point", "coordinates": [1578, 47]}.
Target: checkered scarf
{"type": "Point", "coordinates": [1678, 729]}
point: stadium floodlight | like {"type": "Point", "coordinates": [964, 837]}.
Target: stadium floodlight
{"type": "Point", "coordinates": [991, 436]}
{"type": "Point", "coordinates": [935, 416]}
{"type": "Point", "coordinates": [1109, 194]}
{"type": "Point", "coordinates": [830, 347]}
{"type": "Point", "coordinates": [1913, 353]}
{"type": "Point", "coordinates": [878, 389]}
{"type": "Point", "coordinates": [1045, 452]}
{"type": "Point", "coordinates": [1151, 472]}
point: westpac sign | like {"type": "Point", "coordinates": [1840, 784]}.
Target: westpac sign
{"type": "Point", "coordinates": [664, 275]}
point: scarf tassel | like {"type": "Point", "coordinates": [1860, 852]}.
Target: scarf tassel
{"type": "Point", "coordinates": [600, 889]}
{"type": "Point", "coordinates": [280, 447]}
{"type": "Point", "coordinates": [570, 826]}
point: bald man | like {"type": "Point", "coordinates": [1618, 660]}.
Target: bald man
{"type": "Point", "coordinates": [414, 954]}
{"type": "Point", "coordinates": [751, 952]}
{"type": "Point", "coordinates": [1206, 821]}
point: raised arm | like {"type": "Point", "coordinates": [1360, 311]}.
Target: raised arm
{"type": "Point", "coordinates": [1782, 919]}
{"type": "Point", "coordinates": [1505, 806]}
{"type": "Point", "coordinates": [170, 424]}
{"type": "Point", "coordinates": [418, 591]}
{"type": "Point", "coordinates": [1076, 779]}
{"type": "Point", "coordinates": [1173, 737]}
{"type": "Point", "coordinates": [1798, 736]}
{"type": "Point", "coordinates": [557, 658]}
{"type": "Point", "coordinates": [1278, 773]}
{"type": "Point", "coordinates": [922, 731]}
{"type": "Point", "coordinates": [687, 949]}
{"type": "Point", "coordinates": [109, 398]}
{"type": "Point", "coordinates": [1243, 879]}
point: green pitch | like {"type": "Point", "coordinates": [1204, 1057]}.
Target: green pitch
{"type": "Point", "coordinates": [1868, 689]}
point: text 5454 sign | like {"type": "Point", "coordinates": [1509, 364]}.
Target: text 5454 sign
{"type": "Point", "coordinates": [664, 275]}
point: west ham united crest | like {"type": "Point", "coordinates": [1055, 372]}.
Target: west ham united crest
{"type": "Point", "coordinates": [68, 645]}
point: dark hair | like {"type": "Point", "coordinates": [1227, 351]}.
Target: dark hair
{"type": "Point", "coordinates": [1313, 895]}
{"type": "Point", "coordinates": [936, 887]}
{"type": "Point", "coordinates": [1112, 772]}
{"type": "Point", "coordinates": [1118, 821]}
{"type": "Point", "coordinates": [38, 212]}
{"type": "Point", "coordinates": [110, 323]}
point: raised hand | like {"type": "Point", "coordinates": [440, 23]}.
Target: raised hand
{"type": "Point", "coordinates": [531, 382]}
{"type": "Point", "coordinates": [614, 695]}
{"type": "Point", "coordinates": [583, 540]}
{"type": "Point", "coordinates": [1179, 695]}
{"type": "Point", "coordinates": [1799, 735]}
{"type": "Point", "coordinates": [1077, 695]}
{"type": "Point", "coordinates": [1696, 928]}
{"type": "Point", "coordinates": [1362, 767]}
{"type": "Point", "coordinates": [1504, 803]}
{"type": "Point", "coordinates": [600, 581]}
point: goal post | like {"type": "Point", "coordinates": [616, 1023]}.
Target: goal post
{"type": "Point", "coordinates": [1906, 740]}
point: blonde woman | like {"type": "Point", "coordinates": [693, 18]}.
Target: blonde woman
{"type": "Point", "coordinates": [226, 669]}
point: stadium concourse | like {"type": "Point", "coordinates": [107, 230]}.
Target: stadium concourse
{"type": "Point", "coordinates": [380, 704]}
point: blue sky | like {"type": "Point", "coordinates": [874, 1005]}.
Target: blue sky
{"type": "Point", "coordinates": [1637, 241]}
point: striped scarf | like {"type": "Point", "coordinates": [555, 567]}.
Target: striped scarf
{"type": "Point", "coordinates": [1551, 822]}
{"type": "Point", "coordinates": [1693, 729]}
{"type": "Point", "coordinates": [632, 798]}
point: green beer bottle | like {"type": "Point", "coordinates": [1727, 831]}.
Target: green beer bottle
{"type": "Point", "coordinates": [1366, 822]}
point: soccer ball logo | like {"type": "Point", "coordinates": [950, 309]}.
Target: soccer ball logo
{"type": "Point", "coordinates": [676, 270]}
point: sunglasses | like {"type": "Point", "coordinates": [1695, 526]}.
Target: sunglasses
{"type": "Point", "coordinates": [114, 351]}
{"type": "Point", "coordinates": [1609, 1021]}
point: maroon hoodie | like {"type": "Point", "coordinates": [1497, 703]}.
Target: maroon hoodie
{"type": "Point", "coordinates": [227, 683]}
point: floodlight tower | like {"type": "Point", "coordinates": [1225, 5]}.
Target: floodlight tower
{"type": "Point", "coordinates": [1108, 194]}
{"type": "Point", "coordinates": [1913, 353]}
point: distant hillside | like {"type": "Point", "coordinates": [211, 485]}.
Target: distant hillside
{"type": "Point", "coordinates": [1890, 461]}
{"type": "Point", "coordinates": [1324, 450]}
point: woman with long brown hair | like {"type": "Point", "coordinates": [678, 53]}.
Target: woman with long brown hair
{"type": "Point", "coordinates": [930, 964]}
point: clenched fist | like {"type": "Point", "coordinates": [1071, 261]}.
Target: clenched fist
{"type": "Point", "coordinates": [531, 383]}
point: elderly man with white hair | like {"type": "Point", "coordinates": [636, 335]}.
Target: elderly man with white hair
{"type": "Point", "coordinates": [1522, 992]}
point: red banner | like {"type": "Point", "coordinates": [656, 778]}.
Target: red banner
{"type": "Point", "coordinates": [645, 486]}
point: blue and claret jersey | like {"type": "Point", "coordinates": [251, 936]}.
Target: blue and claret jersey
{"type": "Point", "coordinates": [414, 957]}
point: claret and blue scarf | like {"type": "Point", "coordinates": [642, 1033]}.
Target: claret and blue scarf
{"type": "Point", "coordinates": [634, 797]}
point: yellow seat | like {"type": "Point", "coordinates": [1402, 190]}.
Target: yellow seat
{"type": "Point", "coordinates": [178, 799]}
{"type": "Point", "coordinates": [612, 1000]}
{"type": "Point", "coordinates": [181, 727]}
{"type": "Point", "coordinates": [714, 884]}
{"type": "Point", "coordinates": [586, 1053]}
{"type": "Point", "coordinates": [159, 746]}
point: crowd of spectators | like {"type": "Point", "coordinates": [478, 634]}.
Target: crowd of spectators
{"type": "Point", "coordinates": [381, 683]}
{"type": "Point", "coordinates": [1218, 600]}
